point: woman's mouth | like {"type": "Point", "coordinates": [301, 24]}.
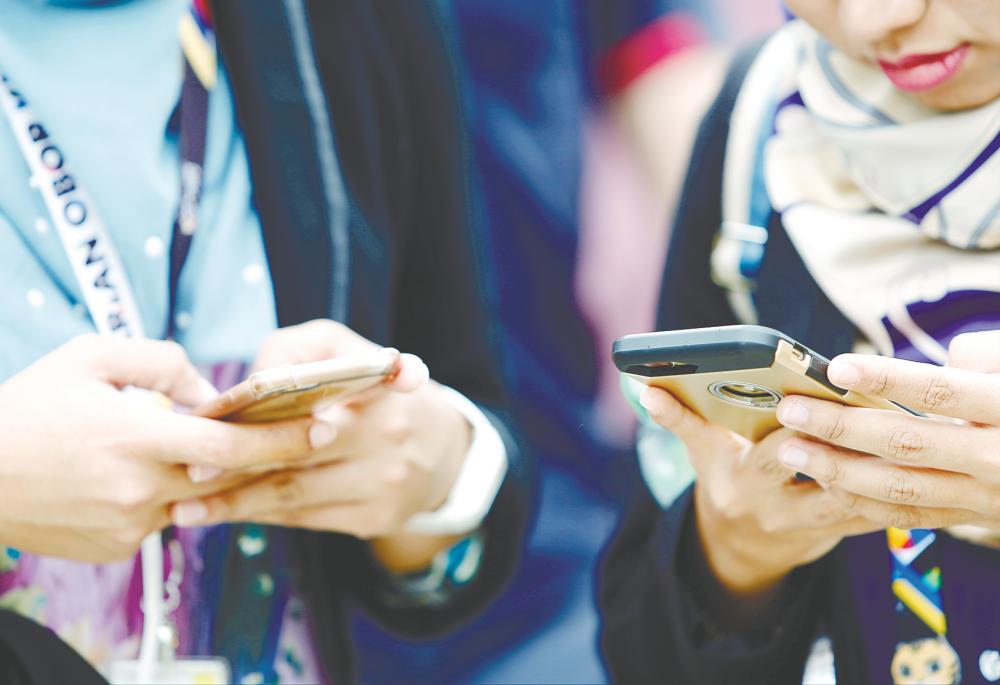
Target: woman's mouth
{"type": "Point", "coordinates": [923, 72]}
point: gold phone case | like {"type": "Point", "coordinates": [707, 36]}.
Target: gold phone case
{"type": "Point", "coordinates": [294, 390]}
{"type": "Point", "coordinates": [744, 399]}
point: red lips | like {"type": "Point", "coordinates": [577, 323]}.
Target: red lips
{"type": "Point", "coordinates": [923, 72]}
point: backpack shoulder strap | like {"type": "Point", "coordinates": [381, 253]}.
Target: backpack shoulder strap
{"type": "Point", "coordinates": [746, 208]}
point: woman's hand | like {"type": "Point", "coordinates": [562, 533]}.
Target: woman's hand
{"type": "Point", "coordinates": [391, 454]}
{"type": "Point", "coordinates": [88, 470]}
{"type": "Point", "coordinates": [756, 521]}
{"type": "Point", "coordinates": [908, 471]}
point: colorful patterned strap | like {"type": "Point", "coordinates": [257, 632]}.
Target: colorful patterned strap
{"type": "Point", "coordinates": [198, 42]}
{"type": "Point", "coordinates": [918, 591]}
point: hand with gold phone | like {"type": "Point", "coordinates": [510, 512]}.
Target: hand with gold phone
{"type": "Point", "coordinates": [734, 376]}
{"type": "Point", "coordinates": [289, 391]}
{"type": "Point", "coordinates": [754, 408]}
{"type": "Point", "coordinates": [387, 443]}
{"type": "Point", "coordinates": [718, 390]}
{"type": "Point", "coordinates": [90, 464]}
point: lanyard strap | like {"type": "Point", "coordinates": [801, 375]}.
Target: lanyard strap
{"type": "Point", "coordinates": [921, 625]}
{"type": "Point", "coordinates": [917, 586]}
{"type": "Point", "coordinates": [96, 263]}
{"type": "Point", "coordinates": [200, 73]}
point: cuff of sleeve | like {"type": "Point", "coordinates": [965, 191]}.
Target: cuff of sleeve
{"type": "Point", "coordinates": [478, 482]}
{"type": "Point", "coordinates": [720, 643]}
{"type": "Point", "coordinates": [450, 571]}
{"type": "Point", "coordinates": [718, 615]}
{"type": "Point", "coordinates": [633, 56]}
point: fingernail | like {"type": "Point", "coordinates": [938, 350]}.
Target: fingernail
{"type": "Point", "coordinates": [843, 373]}
{"type": "Point", "coordinates": [321, 434]}
{"type": "Point", "coordinates": [793, 457]}
{"type": "Point", "coordinates": [650, 402]}
{"type": "Point", "coordinates": [792, 414]}
{"type": "Point", "coordinates": [190, 513]}
{"type": "Point", "coordinates": [201, 474]}
{"type": "Point", "coordinates": [413, 374]}
{"type": "Point", "coordinates": [420, 370]}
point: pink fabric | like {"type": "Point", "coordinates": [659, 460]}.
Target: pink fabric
{"type": "Point", "coordinates": [623, 239]}
{"type": "Point", "coordinates": [633, 56]}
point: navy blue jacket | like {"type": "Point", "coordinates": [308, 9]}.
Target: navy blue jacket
{"type": "Point", "coordinates": [655, 586]}
{"type": "Point", "coordinates": [414, 284]}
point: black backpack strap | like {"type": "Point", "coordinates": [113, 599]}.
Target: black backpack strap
{"type": "Point", "coordinates": [689, 298]}
{"type": "Point", "coordinates": [739, 249]}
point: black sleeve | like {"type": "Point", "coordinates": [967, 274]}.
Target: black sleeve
{"type": "Point", "coordinates": [439, 311]}
{"type": "Point", "coordinates": [33, 655]}
{"type": "Point", "coordinates": [657, 597]}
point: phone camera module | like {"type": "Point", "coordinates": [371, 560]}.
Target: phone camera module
{"type": "Point", "coordinates": [746, 394]}
{"type": "Point", "coordinates": [661, 369]}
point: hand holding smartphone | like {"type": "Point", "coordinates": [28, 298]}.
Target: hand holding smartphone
{"type": "Point", "coordinates": [734, 376]}
{"type": "Point", "coordinates": [293, 390]}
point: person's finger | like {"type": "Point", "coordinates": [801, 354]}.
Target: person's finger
{"type": "Point", "coordinates": [763, 460]}
{"type": "Point", "coordinates": [808, 512]}
{"type": "Point", "coordinates": [339, 483]}
{"type": "Point", "coordinates": [902, 438]}
{"type": "Point", "coordinates": [309, 342]}
{"type": "Point", "coordinates": [176, 483]}
{"type": "Point", "coordinates": [976, 352]}
{"type": "Point", "coordinates": [413, 374]}
{"type": "Point", "coordinates": [361, 429]}
{"type": "Point", "coordinates": [365, 521]}
{"type": "Point", "coordinates": [156, 365]}
{"type": "Point", "coordinates": [957, 393]}
{"type": "Point", "coordinates": [697, 433]}
{"type": "Point", "coordinates": [192, 440]}
{"type": "Point", "coordinates": [808, 506]}
{"type": "Point", "coordinates": [813, 508]}
{"type": "Point", "coordinates": [336, 432]}
{"type": "Point", "coordinates": [204, 481]}
{"type": "Point", "coordinates": [856, 525]}
{"type": "Point", "coordinates": [884, 481]}
{"type": "Point", "coordinates": [902, 515]}
{"type": "Point", "coordinates": [360, 520]}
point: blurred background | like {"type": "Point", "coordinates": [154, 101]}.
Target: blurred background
{"type": "Point", "coordinates": [580, 116]}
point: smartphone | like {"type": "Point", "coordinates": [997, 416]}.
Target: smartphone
{"type": "Point", "coordinates": [733, 375]}
{"type": "Point", "coordinates": [295, 390]}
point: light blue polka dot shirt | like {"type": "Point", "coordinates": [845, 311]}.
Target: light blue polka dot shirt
{"type": "Point", "coordinates": [104, 79]}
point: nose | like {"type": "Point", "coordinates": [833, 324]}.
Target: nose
{"type": "Point", "coordinates": [869, 22]}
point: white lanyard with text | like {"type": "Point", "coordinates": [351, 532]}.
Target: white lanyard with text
{"type": "Point", "coordinates": [109, 298]}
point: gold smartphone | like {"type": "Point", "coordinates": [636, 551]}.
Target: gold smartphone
{"type": "Point", "coordinates": [294, 390]}
{"type": "Point", "coordinates": [733, 375]}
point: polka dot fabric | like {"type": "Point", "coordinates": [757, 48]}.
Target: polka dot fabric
{"type": "Point", "coordinates": [118, 135]}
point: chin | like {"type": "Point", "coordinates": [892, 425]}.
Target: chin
{"type": "Point", "coordinates": [949, 102]}
{"type": "Point", "coordinates": [968, 90]}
